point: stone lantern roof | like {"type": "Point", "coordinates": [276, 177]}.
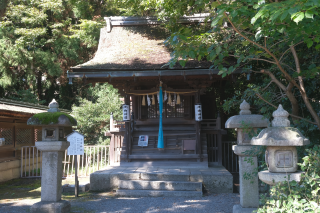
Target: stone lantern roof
{"type": "Point", "coordinates": [280, 134]}
{"type": "Point", "coordinates": [53, 117]}
{"type": "Point", "coordinates": [245, 117]}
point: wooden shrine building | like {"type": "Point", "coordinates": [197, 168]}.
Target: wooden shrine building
{"type": "Point", "coordinates": [133, 58]}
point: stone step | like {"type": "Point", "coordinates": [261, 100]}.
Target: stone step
{"type": "Point", "coordinates": [157, 193]}
{"type": "Point", "coordinates": [165, 177]}
{"type": "Point", "coordinates": [160, 185]}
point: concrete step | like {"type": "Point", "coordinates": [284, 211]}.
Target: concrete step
{"type": "Point", "coordinates": [160, 185]}
{"type": "Point", "coordinates": [157, 193]}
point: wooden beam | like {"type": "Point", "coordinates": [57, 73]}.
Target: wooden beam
{"type": "Point", "coordinates": [127, 131]}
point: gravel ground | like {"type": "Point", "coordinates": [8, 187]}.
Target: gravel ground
{"type": "Point", "coordinates": [98, 203]}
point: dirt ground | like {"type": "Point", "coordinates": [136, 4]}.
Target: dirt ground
{"type": "Point", "coordinates": [26, 191]}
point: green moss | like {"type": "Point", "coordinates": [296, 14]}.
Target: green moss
{"type": "Point", "coordinates": [52, 117]}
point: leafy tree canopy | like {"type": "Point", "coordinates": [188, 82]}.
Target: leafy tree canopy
{"type": "Point", "coordinates": [93, 112]}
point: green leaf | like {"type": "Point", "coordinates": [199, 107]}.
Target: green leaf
{"type": "Point", "coordinates": [218, 50]}
{"type": "Point", "coordinates": [217, 19]}
{"type": "Point", "coordinates": [309, 14]}
{"type": "Point", "coordinates": [284, 15]}
{"type": "Point", "coordinates": [297, 17]}
{"type": "Point", "coordinates": [192, 54]}
{"type": "Point", "coordinates": [182, 63]}
{"type": "Point", "coordinates": [182, 37]}
{"type": "Point", "coordinates": [309, 43]}
{"type": "Point", "coordinates": [245, 43]}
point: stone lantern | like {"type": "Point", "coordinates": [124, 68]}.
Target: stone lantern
{"type": "Point", "coordinates": [55, 126]}
{"type": "Point", "coordinates": [281, 154]}
{"type": "Point", "coordinates": [249, 191]}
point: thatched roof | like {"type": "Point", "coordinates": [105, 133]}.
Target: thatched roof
{"type": "Point", "coordinates": [135, 47]}
{"type": "Point", "coordinates": [8, 106]}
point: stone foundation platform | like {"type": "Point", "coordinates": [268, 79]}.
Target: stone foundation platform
{"type": "Point", "coordinates": [214, 179]}
{"type": "Point", "coordinates": [62, 206]}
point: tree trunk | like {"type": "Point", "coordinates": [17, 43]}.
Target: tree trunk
{"type": "Point", "coordinates": [39, 85]}
{"type": "Point", "coordinates": [3, 7]}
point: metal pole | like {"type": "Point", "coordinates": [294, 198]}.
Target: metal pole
{"type": "Point", "coordinates": [76, 184]}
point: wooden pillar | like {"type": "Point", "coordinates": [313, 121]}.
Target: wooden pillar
{"type": "Point", "coordinates": [198, 129]}
{"type": "Point", "coordinates": [127, 130]}
{"type": "Point", "coordinates": [219, 137]}
{"type": "Point", "coordinates": [111, 150]}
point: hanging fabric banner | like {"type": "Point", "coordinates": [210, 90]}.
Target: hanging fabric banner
{"type": "Point", "coordinates": [160, 135]}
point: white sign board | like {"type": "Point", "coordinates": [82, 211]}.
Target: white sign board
{"type": "Point", "coordinates": [76, 144]}
{"type": "Point", "coordinates": [143, 140]}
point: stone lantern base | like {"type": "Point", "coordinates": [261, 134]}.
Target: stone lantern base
{"type": "Point", "coordinates": [240, 209]}
{"type": "Point", "coordinates": [274, 178]}
{"type": "Point", "coordinates": [52, 207]}
{"type": "Point", "coordinates": [52, 156]}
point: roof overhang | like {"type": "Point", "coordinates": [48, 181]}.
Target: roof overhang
{"type": "Point", "coordinates": [132, 21]}
{"type": "Point", "coordinates": [144, 73]}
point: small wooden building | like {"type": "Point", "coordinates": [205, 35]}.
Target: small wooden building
{"type": "Point", "coordinates": [133, 58]}
{"type": "Point", "coordinates": [18, 135]}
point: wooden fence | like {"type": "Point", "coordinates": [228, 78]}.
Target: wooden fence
{"type": "Point", "coordinates": [95, 158]}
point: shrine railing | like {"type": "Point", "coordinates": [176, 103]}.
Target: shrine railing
{"type": "Point", "coordinates": [208, 124]}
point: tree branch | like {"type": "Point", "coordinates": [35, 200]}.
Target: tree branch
{"type": "Point", "coordinates": [267, 86]}
{"type": "Point", "coordinates": [295, 116]}
{"type": "Point", "coordinates": [289, 49]}
{"type": "Point", "coordinates": [290, 79]}
{"type": "Point", "coordinates": [302, 90]}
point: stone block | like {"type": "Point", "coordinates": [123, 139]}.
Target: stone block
{"type": "Point", "coordinates": [71, 188]}
{"type": "Point", "coordinates": [51, 176]}
{"type": "Point", "coordinates": [237, 121]}
{"type": "Point", "coordinates": [218, 183]}
{"type": "Point", "coordinates": [249, 189]}
{"type": "Point", "coordinates": [6, 175]}
{"type": "Point", "coordinates": [100, 181]}
{"type": "Point", "coordinates": [158, 193]}
{"type": "Point", "coordinates": [274, 178]}
{"type": "Point", "coordinates": [14, 164]}
{"type": "Point", "coordinates": [160, 185]}
{"type": "Point", "coordinates": [241, 150]}
{"type": "Point", "coordinates": [61, 206]}
{"type": "Point", "coordinates": [52, 146]}
{"type": "Point", "coordinates": [4, 166]}
{"type": "Point", "coordinates": [115, 178]}
{"type": "Point", "coordinates": [196, 178]}
{"type": "Point", "coordinates": [240, 209]}
{"type": "Point", "coordinates": [165, 177]}
{"type": "Point", "coordinates": [16, 173]}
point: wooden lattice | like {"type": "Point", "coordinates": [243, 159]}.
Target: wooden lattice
{"type": "Point", "coordinates": [7, 133]}
{"type": "Point", "coordinates": [23, 136]}
{"type": "Point", "coordinates": [38, 134]}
